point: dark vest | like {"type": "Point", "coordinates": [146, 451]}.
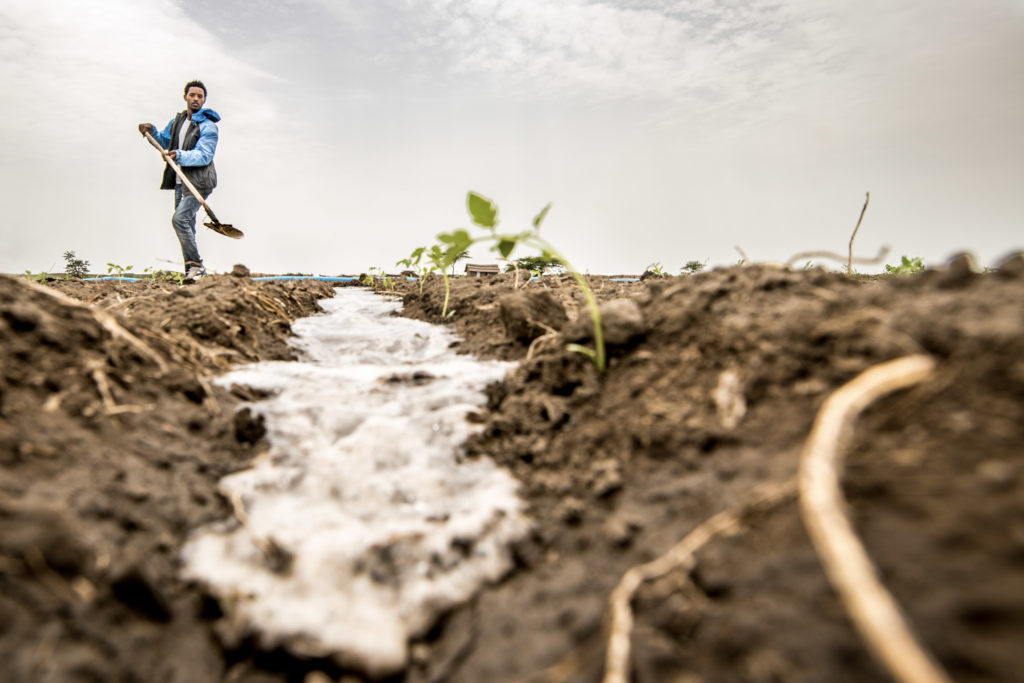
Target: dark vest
{"type": "Point", "coordinates": [203, 177]}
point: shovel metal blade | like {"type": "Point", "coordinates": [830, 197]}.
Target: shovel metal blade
{"type": "Point", "coordinates": [225, 229]}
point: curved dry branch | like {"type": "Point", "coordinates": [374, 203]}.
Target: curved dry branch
{"type": "Point", "coordinates": [882, 253]}
{"type": "Point", "coordinates": [679, 556]}
{"type": "Point", "coordinates": [873, 610]}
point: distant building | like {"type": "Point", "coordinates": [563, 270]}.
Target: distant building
{"type": "Point", "coordinates": [477, 269]}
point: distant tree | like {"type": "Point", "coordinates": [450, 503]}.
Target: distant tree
{"type": "Point", "coordinates": [693, 267]}
{"type": "Point", "coordinates": [461, 256]}
{"type": "Point", "coordinates": [75, 267]}
{"type": "Point", "coordinates": [535, 264]}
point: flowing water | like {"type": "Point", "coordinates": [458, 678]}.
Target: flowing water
{"type": "Point", "coordinates": [362, 523]}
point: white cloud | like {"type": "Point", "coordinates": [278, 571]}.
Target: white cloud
{"type": "Point", "coordinates": [687, 126]}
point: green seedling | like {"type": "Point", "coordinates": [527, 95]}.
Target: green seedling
{"type": "Point", "coordinates": [118, 271]}
{"type": "Point", "coordinates": [375, 275]}
{"type": "Point", "coordinates": [907, 266]}
{"type": "Point", "coordinates": [655, 269]}
{"type": "Point", "coordinates": [40, 278]}
{"type": "Point", "coordinates": [168, 275]}
{"type": "Point", "coordinates": [440, 260]}
{"type": "Point", "coordinates": [413, 263]}
{"type": "Point", "coordinates": [485, 214]}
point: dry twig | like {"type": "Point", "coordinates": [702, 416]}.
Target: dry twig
{"type": "Point", "coordinates": [873, 610]}
{"type": "Point", "coordinates": [679, 556]}
{"type": "Point", "coordinates": [849, 263]}
{"type": "Point", "coordinates": [110, 406]}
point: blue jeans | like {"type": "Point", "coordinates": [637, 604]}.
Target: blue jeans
{"type": "Point", "coordinates": [186, 206]}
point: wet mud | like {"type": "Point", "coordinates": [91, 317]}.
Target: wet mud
{"type": "Point", "coordinates": [110, 450]}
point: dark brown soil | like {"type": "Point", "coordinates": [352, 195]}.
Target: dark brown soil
{"type": "Point", "coordinates": [98, 487]}
{"type": "Point", "coordinates": [108, 460]}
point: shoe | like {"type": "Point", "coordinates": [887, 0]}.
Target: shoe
{"type": "Point", "coordinates": [195, 273]}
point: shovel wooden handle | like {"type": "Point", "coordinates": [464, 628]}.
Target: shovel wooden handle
{"type": "Point", "coordinates": [181, 174]}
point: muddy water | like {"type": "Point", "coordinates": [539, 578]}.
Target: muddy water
{"type": "Point", "coordinates": [362, 523]}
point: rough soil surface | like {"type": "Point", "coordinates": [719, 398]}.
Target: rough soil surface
{"type": "Point", "coordinates": [112, 440]}
{"type": "Point", "coordinates": [110, 452]}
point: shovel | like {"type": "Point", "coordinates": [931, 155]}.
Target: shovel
{"type": "Point", "coordinates": [213, 224]}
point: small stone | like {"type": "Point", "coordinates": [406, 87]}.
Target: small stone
{"type": "Point", "coordinates": [960, 272]}
{"type": "Point", "coordinates": [528, 315]}
{"type": "Point", "coordinates": [317, 677]}
{"type": "Point", "coordinates": [622, 321]}
{"type": "Point", "coordinates": [619, 531]}
{"type": "Point", "coordinates": [996, 475]}
{"type": "Point", "coordinates": [605, 477]}
{"type": "Point", "coordinates": [419, 653]}
{"type": "Point", "coordinates": [250, 426]}
{"type": "Point", "coordinates": [570, 511]}
{"type": "Point", "coordinates": [239, 270]}
{"type": "Point", "coordinates": [1012, 266]}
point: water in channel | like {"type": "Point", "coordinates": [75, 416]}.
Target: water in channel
{"type": "Point", "coordinates": [362, 523]}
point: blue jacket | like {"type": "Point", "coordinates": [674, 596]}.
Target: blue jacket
{"type": "Point", "coordinates": [196, 153]}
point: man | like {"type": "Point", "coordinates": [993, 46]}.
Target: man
{"type": "Point", "coordinates": [191, 140]}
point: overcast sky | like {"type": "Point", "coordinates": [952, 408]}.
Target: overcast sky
{"type": "Point", "coordinates": [662, 131]}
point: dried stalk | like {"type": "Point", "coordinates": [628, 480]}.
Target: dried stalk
{"type": "Point", "coordinates": [679, 556]}
{"type": "Point", "coordinates": [107, 321]}
{"type": "Point", "coordinates": [536, 343]}
{"type": "Point", "coordinates": [873, 610]}
{"type": "Point", "coordinates": [849, 263]}
{"type": "Point", "coordinates": [110, 406]}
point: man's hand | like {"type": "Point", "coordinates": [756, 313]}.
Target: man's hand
{"type": "Point", "coordinates": [146, 128]}
{"type": "Point", "coordinates": [172, 155]}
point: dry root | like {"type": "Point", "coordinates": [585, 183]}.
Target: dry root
{"type": "Point", "coordinates": [680, 556]}
{"type": "Point", "coordinates": [873, 610]}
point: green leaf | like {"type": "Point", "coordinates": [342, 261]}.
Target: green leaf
{"type": "Point", "coordinates": [505, 246]}
{"type": "Point", "coordinates": [482, 210]}
{"type": "Point", "coordinates": [539, 218]}
{"type": "Point", "coordinates": [461, 240]}
{"type": "Point", "coordinates": [577, 348]}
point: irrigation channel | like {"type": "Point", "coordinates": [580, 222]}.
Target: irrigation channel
{"type": "Point", "coordinates": [362, 523]}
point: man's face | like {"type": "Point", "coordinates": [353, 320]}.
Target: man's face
{"type": "Point", "coordinates": [194, 98]}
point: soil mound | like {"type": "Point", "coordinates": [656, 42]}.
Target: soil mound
{"type": "Point", "coordinates": [712, 400]}
{"type": "Point", "coordinates": [112, 439]}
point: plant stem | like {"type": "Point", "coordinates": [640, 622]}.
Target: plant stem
{"type": "Point", "coordinates": [447, 293]}
{"type": "Point", "coordinates": [595, 315]}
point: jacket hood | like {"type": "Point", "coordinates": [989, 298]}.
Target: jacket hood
{"type": "Point", "coordinates": [205, 114]}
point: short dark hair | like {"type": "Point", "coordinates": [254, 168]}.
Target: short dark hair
{"type": "Point", "coordinates": [195, 84]}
